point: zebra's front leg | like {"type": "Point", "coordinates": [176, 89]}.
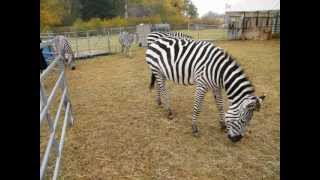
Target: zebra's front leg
{"type": "Point", "coordinates": [122, 49]}
{"type": "Point", "coordinates": [219, 103]}
{"type": "Point", "coordinates": [158, 98]}
{"type": "Point", "coordinates": [165, 97]}
{"type": "Point", "coordinates": [199, 97]}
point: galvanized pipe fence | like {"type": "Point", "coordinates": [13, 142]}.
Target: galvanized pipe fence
{"type": "Point", "coordinates": [92, 42]}
{"type": "Point", "coordinates": [64, 107]}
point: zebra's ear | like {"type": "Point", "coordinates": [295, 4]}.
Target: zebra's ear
{"type": "Point", "coordinates": [260, 100]}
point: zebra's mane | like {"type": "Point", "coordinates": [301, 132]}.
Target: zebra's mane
{"type": "Point", "coordinates": [238, 65]}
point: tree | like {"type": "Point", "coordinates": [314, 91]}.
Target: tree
{"type": "Point", "coordinates": [72, 7]}
{"type": "Point", "coordinates": [97, 9]}
{"type": "Point", "coordinates": [51, 13]}
{"type": "Point", "coordinates": [190, 9]}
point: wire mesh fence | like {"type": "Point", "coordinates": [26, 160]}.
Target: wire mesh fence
{"type": "Point", "coordinates": [105, 40]}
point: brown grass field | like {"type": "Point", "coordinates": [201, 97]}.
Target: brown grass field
{"type": "Point", "coordinates": [120, 132]}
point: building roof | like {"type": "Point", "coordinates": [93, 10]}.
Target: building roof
{"type": "Point", "coordinates": [252, 5]}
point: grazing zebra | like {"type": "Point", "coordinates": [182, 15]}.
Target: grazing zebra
{"type": "Point", "coordinates": [62, 45]}
{"type": "Point", "coordinates": [153, 36]}
{"type": "Point", "coordinates": [126, 39]}
{"type": "Point", "coordinates": [208, 67]}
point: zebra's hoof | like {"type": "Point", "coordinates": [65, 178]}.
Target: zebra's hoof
{"type": "Point", "coordinates": [73, 68]}
{"type": "Point", "coordinates": [170, 115]}
{"type": "Point", "coordinates": [159, 103]}
{"type": "Point", "coordinates": [223, 128]}
{"type": "Point", "coordinates": [195, 130]}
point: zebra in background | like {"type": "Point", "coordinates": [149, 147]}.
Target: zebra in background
{"type": "Point", "coordinates": [63, 47]}
{"type": "Point", "coordinates": [153, 36]}
{"type": "Point", "coordinates": [208, 67]}
{"type": "Point", "coordinates": [126, 39]}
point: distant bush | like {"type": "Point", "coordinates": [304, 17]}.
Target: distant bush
{"type": "Point", "coordinates": [96, 23]}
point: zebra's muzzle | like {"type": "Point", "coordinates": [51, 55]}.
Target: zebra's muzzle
{"type": "Point", "coordinates": [235, 138]}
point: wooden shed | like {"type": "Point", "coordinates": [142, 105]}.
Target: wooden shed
{"type": "Point", "coordinates": [258, 20]}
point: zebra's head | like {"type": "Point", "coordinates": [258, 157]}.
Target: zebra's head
{"type": "Point", "coordinates": [237, 120]}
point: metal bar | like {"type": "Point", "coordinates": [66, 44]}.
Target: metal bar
{"type": "Point", "coordinates": [44, 162]}
{"type": "Point", "coordinates": [46, 43]}
{"type": "Point", "coordinates": [109, 47]}
{"type": "Point", "coordinates": [77, 46]}
{"type": "Point", "coordinates": [44, 101]}
{"type": "Point", "coordinates": [56, 169]}
{"type": "Point", "coordinates": [49, 68]}
{"type": "Point", "coordinates": [88, 37]}
{"type": "Point", "coordinates": [53, 93]}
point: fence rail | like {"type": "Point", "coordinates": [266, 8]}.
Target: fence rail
{"type": "Point", "coordinates": [64, 105]}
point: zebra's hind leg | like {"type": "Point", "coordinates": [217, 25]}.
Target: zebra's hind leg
{"type": "Point", "coordinates": [199, 96]}
{"type": "Point", "coordinates": [219, 103]}
{"type": "Point", "coordinates": [165, 96]}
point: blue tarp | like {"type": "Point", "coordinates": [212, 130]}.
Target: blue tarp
{"type": "Point", "coordinates": [48, 54]}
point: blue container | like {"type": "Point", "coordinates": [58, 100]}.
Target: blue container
{"type": "Point", "coordinates": [48, 54]}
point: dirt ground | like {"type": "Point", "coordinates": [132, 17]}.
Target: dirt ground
{"type": "Point", "coordinates": [120, 132]}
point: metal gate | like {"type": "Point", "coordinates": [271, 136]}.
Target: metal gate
{"type": "Point", "coordinates": [46, 102]}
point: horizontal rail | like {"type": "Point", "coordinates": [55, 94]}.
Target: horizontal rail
{"type": "Point", "coordinates": [46, 43]}
{"type": "Point", "coordinates": [52, 95]}
{"type": "Point", "coordinates": [44, 162]}
{"type": "Point", "coordinates": [50, 67]}
{"type": "Point", "coordinates": [56, 169]}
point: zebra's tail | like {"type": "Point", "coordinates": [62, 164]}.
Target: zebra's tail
{"type": "Point", "coordinates": [153, 79]}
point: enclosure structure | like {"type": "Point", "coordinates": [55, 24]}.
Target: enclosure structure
{"type": "Point", "coordinates": [85, 44]}
{"type": "Point", "coordinates": [253, 20]}
{"type": "Point", "coordinates": [142, 31]}
{"type": "Point", "coordinates": [53, 147]}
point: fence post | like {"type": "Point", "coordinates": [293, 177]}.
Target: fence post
{"type": "Point", "coordinates": [109, 48]}
{"type": "Point", "coordinates": [77, 48]}
{"type": "Point", "coordinates": [88, 37]}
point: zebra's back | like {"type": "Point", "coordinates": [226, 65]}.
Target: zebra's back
{"type": "Point", "coordinates": [179, 60]}
{"type": "Point", "coordinates": [153, 36]}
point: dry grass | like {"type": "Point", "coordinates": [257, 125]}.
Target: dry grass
{"type": "Point", "coordinates": [120, 132]}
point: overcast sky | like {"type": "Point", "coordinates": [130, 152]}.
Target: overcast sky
{"type": "Point", "coordinates": [217, 6]}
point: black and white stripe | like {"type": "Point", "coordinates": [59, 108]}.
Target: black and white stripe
{"type": "Point", "coordinates": [208, 67]}
{"type": "Point", "coordinates": [126, 40]}
{"type": "Point", "coordinates": [153, 36]}
{"type": "Point", "coordinates": [63, 47]}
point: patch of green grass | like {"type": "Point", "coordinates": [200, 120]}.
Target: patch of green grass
{"type": "Point", "coordinates": [101, 42]}
{"type": "Point", "coordinates": [212, 34]}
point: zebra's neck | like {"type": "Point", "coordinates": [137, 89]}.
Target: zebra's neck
{"type": "Point", "coordinates": [234, 81]}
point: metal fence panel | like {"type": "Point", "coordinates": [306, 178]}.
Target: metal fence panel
{"type": "Point", "coordinates": [45, 103]}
